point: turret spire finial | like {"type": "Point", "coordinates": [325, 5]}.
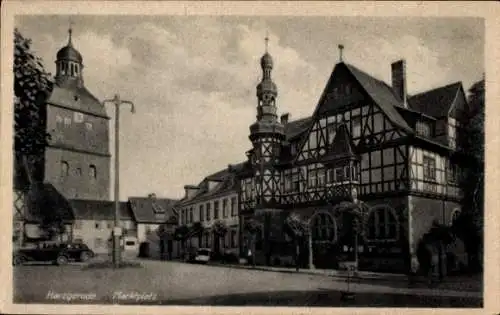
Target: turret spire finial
{"type": "Point", "coordinates": [267, 40]}
{"type": "Point", "coordinates": [70, 31]}
{"type": "Point", "coordinates": [341, 49]}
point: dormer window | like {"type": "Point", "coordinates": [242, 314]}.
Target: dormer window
{"type": "Point", "coordinates": [423, 128]}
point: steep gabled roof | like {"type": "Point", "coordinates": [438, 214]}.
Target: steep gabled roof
{"type": "Point", "coordinates": [149, 210]}
{"type": "Point", "coordinates": [46, 196]}
{"type": "Point", "coordinates": [77, 98]}
{"type": "Point", "coordinates": [226, 183]}
{"type": "Point", "coordinates": [436, 102]}
{"type": "Point", "coordinates": [99, 210]}
{"type": "Point", "coordinates": [382, 94]}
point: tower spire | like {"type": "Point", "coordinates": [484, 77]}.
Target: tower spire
{"type": "Point", "coordinates": [267, 41]}
{"type": "Point", "coordinates": [70, 31]}
{"type": "Point", "coordinates": [341, 49]}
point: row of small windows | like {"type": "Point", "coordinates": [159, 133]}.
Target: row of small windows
{"type": "Point", "coordinates": [382, 225]}
{"type": "Point", "coordinates": [317, 177]}
{"type": "Point", "coordinates": [69, 68]}
{"type": "Point", "coordinates": [230, 240]}
{"type": "Point", "coordinates": [92, 171]}
{"type": "Point", "coordinates": [205, 211]}
{"type": "Point", "coordinates": [78, 118]}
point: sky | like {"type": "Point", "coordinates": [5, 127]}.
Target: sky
{"type": "Point", "coordinates": [193, 78]}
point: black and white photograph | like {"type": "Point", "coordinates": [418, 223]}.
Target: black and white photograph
{"type": "Point", "coordinates": [247, 160]}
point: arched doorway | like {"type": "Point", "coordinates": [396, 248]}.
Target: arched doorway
{"type": "Point", "coordinates": [323, 236]}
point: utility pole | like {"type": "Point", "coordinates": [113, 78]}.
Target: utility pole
{"type": "Point", "coordinates": [117, 229]}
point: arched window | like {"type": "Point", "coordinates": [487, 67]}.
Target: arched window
{"type": "Point", "coordinates": [382, 224]}
{"type": "Point", "coordinates": [323, 227]}
{"type": "Point", "coordinates": [93, 171]}
{"type": "Point", "coordinates": [64, 168]}
{"type": "Point", "coordinates": [454, 215]}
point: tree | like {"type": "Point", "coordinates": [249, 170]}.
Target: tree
{"type": "Point", "coordinates": [252, 227]}
{"type": "Point", "coordinates": [181, 234]}
{"type": "Point", "coordinates": [469, 225]}
{"type": "Point", "coordinates": [297, 229]}
{"type": "Point", "coordinates": [220, 230]}
{"type": "Point", "coordinates": [355, 217]}
{"type": "Point", "coordinates": [197, 230]}
{"type": "Point", "coordinates": [32, 86]}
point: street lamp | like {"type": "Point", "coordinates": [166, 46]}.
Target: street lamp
{"type": "Point", "coordinates": [117, 231]}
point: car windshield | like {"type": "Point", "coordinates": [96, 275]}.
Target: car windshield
{"type": "Point", "coordinates": [203, 252]}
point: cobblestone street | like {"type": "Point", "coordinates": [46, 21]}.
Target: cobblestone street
{"type": "Point", "coordinates": [187, 284]}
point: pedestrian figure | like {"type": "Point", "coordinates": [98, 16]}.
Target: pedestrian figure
{"type": "Point", "coordinates": [434, 266]}
{"type": "Point", "coordinates": [414, 266]}
{"type": "Point", "coordinates": [249, 257]}
{"type": "Point", "coordinates": [424, 260]}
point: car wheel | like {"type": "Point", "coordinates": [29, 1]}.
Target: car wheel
{"type": "Point", "coordinates": [84, 256]}
{"type": "Point", "coordinates": [62, 260]}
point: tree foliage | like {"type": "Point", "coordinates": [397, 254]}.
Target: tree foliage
{"type": "Point", "coordinates": [355, 217]}
{"type": "Point", "coordinates": [469, 225]}
{"type": "Point", "coordinates": [220, 228]}
{"type": "Point", "coordinates": [252, 226]}
{"type": "Point", "coordinates": [32, 85]}
{"type": "Point", "coordinates": [296, 227]}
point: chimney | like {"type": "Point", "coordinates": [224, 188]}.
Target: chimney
{"type": "Point", "coordinates": [399, 80]}
{"type": "Point", "coordinates": [284, 118]}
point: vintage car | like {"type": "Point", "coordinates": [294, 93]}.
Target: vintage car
{"type": "Point", "coordinates": [59, 254]}
{"type": "Point", "coordinates": [203, 255]}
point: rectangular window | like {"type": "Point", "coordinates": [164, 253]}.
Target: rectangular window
{"type": "Point", "coordinates": [201, 214]}
{"type": "Point", "coordinates": [78, 117]}
{"type": "Point", "coordinates": [356, 127]}
{"type": "Point", "coordinates": [224, 208]}
{"type": "Point", "coordinates": [234, 205]}
{"type": "Point", "coordinates": [375, 159]}
{"type": "Point", "coordinates": [331, 129]}
{"type": "Point", "coordinates": [321, 177]}
{"type": "Point", "coordinates": [288, 181]}
{"type": "Point", "coordinates": [330, 175]}
{"type": "Point", "coordinates": [216, 209]}
{"type": "Point", "coordinates": [429, 168]}
{"type": "Point", "coordinates": [312, 178]}
{"type": "Point", "coordinates": [92, 172]}
{"type": "Point", "coordinates": [191, 214]}
{"type": "Point", "coordinates": [97, 225]}
{"type": "Point", "coordinates": [233, 239]}
{"type": "Point", "coordinates": [296, 182]}
{"type": "Point", "coordinates": [67, 121]}
{"type": "Point", "coordinates": [339, 175]}
{"type": "Point", "coordinates": [208, 211]}
{"type": "Point", "coordinates": [452, 173]}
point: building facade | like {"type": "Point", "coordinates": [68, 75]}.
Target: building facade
{"type": "Point", "coordinates": [77, 159]}
{"type": "Point", "coordinates": [209, 213]}
{"type": "Point", "coordinates": [365, 140]}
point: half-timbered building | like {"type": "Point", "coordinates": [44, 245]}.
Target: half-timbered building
{"type": "Point", "coordinates": [395, 152]}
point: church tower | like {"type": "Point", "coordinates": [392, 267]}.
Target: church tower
{"type": "Point", "coordinates": [267, 135]}
{"type": "Point", "coordinates": [77, 159]}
